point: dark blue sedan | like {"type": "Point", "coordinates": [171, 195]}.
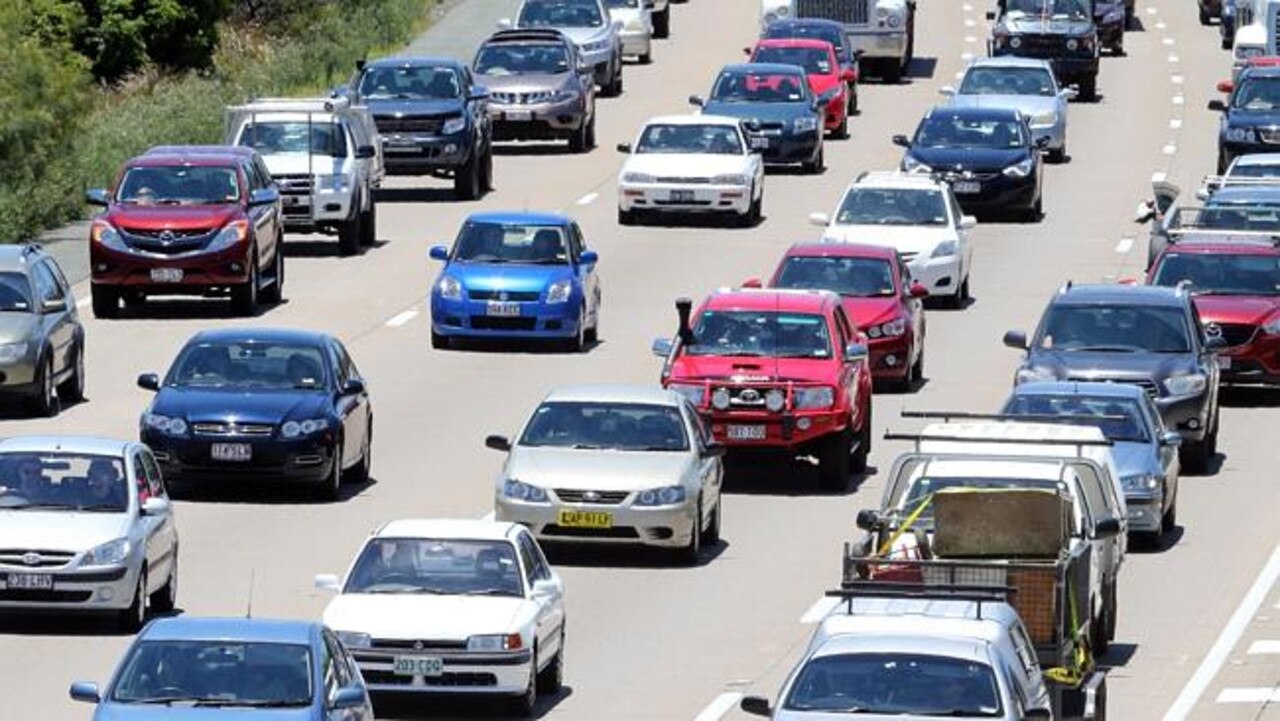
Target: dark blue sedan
{"type": "Point", "coordinates": [517, 275]}
{"type": "Point", "coordinates": [1250, 115]}
{"type": "Point", "coordinates": [988, 154]}
{"type": "Point", "coordinates": [782, 116]}
{"type": "Point", "coordinates": [261, 403]}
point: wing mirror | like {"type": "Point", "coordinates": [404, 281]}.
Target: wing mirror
{"type": "Point", "coordinates": [1042, 142]}
{"type": "Point", "coordinates": [1108, 527]}
{"type": "Point", "coordinates": [697, 100]}
{"type": "Point", "coordinates": [98, 196]}
{"type": "Point", "coordinates": [947, 91]}
{"type": "Point", "coordinates": [1070, 92]}
{"type": "Point", "coordinates": [1218, 105]}
{"type": "Point", "coordinates": [545, 587]}
{"type": "Point", "coordinates": [154, 506]}
{"type": "Point", "coordinates": [752, 283]}
{"type": "Point", "coordinates": [505, 24]}
{"type": "Point", "coordinates": [869, 520]}
{"type": "Point", "coordinates": [917, 290]}
{"type": "Point", "coordinates": [479, 93]}
{"type": "Point", "coordinates": [968, 222]}
{"type": "Point", "coordinates": [327, 582]}
{"type": "Point", "coordinates": [821, 220]}
{"type": "Point", "coordinates": [1226, 86]}
{"type": "Point", "coordinates": [589, 257]}
{"type": "Point", "coordinates": [1145, 212]}
{"type": "Point", "coordinates": [149, 382]}
{"type": "Point", "coordinates": [755, 705]}
{"type": "Point", "coordinates": [1016, 339]}
{"type": "Point", "coordinates": [1215, 342]}
{"type": "Point", "coordinates": [848, 75]}
{"type": "Point", "coordinates": [902, 140]}
{"type": "Point", "coordinates": [85, 691]}
{"type": "Point", "coordinates": [662, 347]}
{"type": "Point", "coordinates": [349, 697]}
{"type": "Point", "coordinates": [366, 151]}
{"type": "Point", "coordinates": [353, 387]}
{"type": "Point", "coordinates": [748, 51]}
{"type": "Point", "coordinates": [991, 15]}
{"type": "Point", "coordinates": [264, 196]}
{"type": "Point", "coordinates": [716, 450]}
{"type": "Point", "coordinates": [54, 305]}
{"type": "Point", "coordinates": [1170, 438]}
{"type": "Point", "coordinates": [855, 352]}
{"type": "Point", "coordinates": [498, 443]}
{"type": "Point", "coordinates": [439, 252]}
{"type": "Point", "coordinates": [624, 148]}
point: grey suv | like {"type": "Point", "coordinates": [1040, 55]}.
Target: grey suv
{"type": "Point", "coordinates": [540, 87]}
{"type": "Point", "coordinates": [1148, 336]}
{"type": "Point", "coordinates": [41, 339]}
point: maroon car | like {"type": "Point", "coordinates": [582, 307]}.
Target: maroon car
{"type": "Point", "coordinates": [1236, 288]}
{"type": "Point", "coordinates": [188, 220]}
{"type": "Point", "coordinates": [878, 294]}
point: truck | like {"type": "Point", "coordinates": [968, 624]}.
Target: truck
{"type": "Point", "coordinates": [1255, 32]}
{"type": "Point", "coordinates": [326, 158]}
{"type": "Point", "coordinates": [882, 31]}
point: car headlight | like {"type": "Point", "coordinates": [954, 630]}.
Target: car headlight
{"type": "Point", "coordinates": [521, 491]}
{"type": "Point", "coordinates": [297, 429]}
{"type": "Point", "coordinates": [1272, 327]}
{"type": "Point", "coordinates": [1020, 169]}
{"type": "Point", "coordinates": [911, 165]}
{"type": "Point", "coordinates": [894, 20]}
{"type": "Point", "coordinates": [1072, 44]}
{"type": "Point", "coordinates": [1140, 482]}
{"type": "Point", "coordinates": [336, 182]}
{"type": "Point", "coordinates": [945, 249]}
{"type": "Point", "coordinates": [561, 96]}
{"type": "Point", "coordinates": [169, 425]}
{"type": "Point", "coordinates": [730, 179]}
{"type": "Point", "coordinates": [823, 397]}
{"type": "Point", "coordinates": [803, 125]}
{"type": "Point", "coordinates": [695, 394]}
{"type": "Point", "coordinates": [1186, 385]}
{"type": "Point", "coordinates": [1244, 52]}
{"type": "Point", "coordinates": [235, 232]}
{"type": "Point", "coordinates": [595, 46]}
{"type": "Point", "coordinates": [720, 399]}
{"type": "Point", "coordinates": [1046, 118]}
{"type": "Point", "coordinates": [10, 352]}
{"type": "Point", "coordinates": [1031, 374]}
{"type": "Point", "coordinates": [637, 178]}
{"type": "Point", "coordinates": [1015, 42]}
{"type": "Point", "coordinates": [559, 291]}
{"type": "Point", "coordinates": [110, 553]}
{"type": "Point", "coordinates": [774, 400]}
{"type": "Point", "coordinates": [1241, 135]}
{"type": "Point", "coordinates": [354, 639]}
{"type": "Point", "coordinates": [665, 496]}
{"type": "Point", "coordinates": [104, 234]}
{"type": "Point", "coordinates": [454, 125]}
{"type": "Point", "coordinates": [450, 288]}
{"type": "Point", "coordinates": [893, 328]}
{"type": "Point", "coordinates": [495, 642]}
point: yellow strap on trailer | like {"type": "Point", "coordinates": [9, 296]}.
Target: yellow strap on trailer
{"type": "Point", "coordinates": [1082, 659]}
{"type": "Point", "coordinates": [906, 526]}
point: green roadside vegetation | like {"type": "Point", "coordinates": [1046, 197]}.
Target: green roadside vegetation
{"type": "Point", "coordinates": [86, 84]}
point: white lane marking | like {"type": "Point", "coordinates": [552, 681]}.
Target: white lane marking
{"type": "Point", "coordinates": [719, 707]}
{"type": "Point", "coordinates": [487, 517]}
{"type": "Point", "coordinates": [1167, 41]}
{"type": "Point", "coordinates": [820, 609]}
{"type": "Point", "coordinates": [970, 39]}
{"type": "Point", "coordinates": [1173, 58]}
{"type": "Point", "coordinates": [1260, 694]}
{"type": "Point", "coordinates": [1226, 641]}
{"type": "Point", "coordinates": [1179, 99]}
{"type": "Point", "coordinates": [966, 57]}
{"type": "Point", "coordinates": [588, 199]}
{"type": "Point", "coordinates": [1175, 79]}
{"type": "Point", "coordinates": [1170, 149]}
{"type": "Point", "coordinates": [967, 7]}
{"type": "Point", "coordinates": [85, 301]}
{"type": "Point", "coordinates": [1158, 177]}
{"type": "Point", "coordinates": [401, 318]}
{"type": "Point", "coordinates": [1175, 123]}
{"type": "Point", "coordinates": [969, 23]}
{"type": "Point", "coordinates": [959, 75]}
{"type": "Point", "coordinates": [1160, 25]}
{"type": "Point", "coordinates": [1125, 245]}
{"type": "Point", "coordinates": [1259, 648]}
{"type": "Point", "coordinates": [1152, 11]}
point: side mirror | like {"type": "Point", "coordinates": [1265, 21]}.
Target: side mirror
{"type": "Point", "coordinates": [1170, 438]}
{"type": "Point", "coordinates": [1042, 142]}
{"type": "Point", "coordinates": [53, 305]}
{"type": "Point", "coordinates": [353, 387]}
{"type": "Point", "coordinates": [1225, 86]}
{"type": "Point", "coordinates": [624, 148]}
{"type": "Point", "coordinates": [855, 352]}
{"type": "Point", "coordinates": [545, 587]}
{"type": "Point", "coordinates": [902, 140]}
{"type": "Point", "coordinates": [498, 443]}
{"type": "Point", "coordinates": [819, 219]}
{"type": "Point", "coordinates": [439, 252]}
{"type": "Point", "coordinates": [868, 520]}
{"type": "Point", "coordinates": [991, 15]}
{"type": "Point", "coordinates": [755, 705]}
{"type": "Point", "coordinates": [716, 450]}
{"type": "Point", "coordinates": [618, 26]}
{"type": "Point", "coordinates": [348, 697]}
{"type": "Point", "coordinates": [264, 196]}
{"type": "Point", "coordinates": [1069, 93]}
{"type": "Point", "coordinates": [662, 347]}
{"type": "Point", "coordinates": [1146, 212]}
{"type": "Point", "coordinates": [917, 290]}
{"type": "Point", "coordinates": [1108, 527]}
{"type": "Point", "coordinates": [748, 51]}
{"type": "Point", "coordinates": [149, 382]}
{"type": "Point", "coordinates": [1016, 339]}
{"type": "Point", "coordinates": [366, 151]}
{"type": "Point", "coordinates": [86, 691]}
{"type": "Point", "coordinates": [752, 283]}
{"type": "Point", "coordinates": [1215, 342]}
{"type": "Point", "coordinates": [1202, 194]}
{"type": "Point", "coordinates": [327, 582]}
{"type": "Point", "coordinates": [98, 196]}
{"type": "Point", "coordinates": [155, 506]}
{"type": "Point", "coordinates": [968, 222]}
{"type": "Point", "coordinates": [947, 91]}
{"type": "Point", "coordinates": [696, 100]}
{"type": "Point", "coordinates": [589, 257]}
{"type": "Point", "coordinates": [505, 24]}
{"type": "Point", "coordinates": [848, 75]}
{"type": "Point", "coordinates": [1218, 105]}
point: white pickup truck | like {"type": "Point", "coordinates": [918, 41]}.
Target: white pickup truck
{"type": "Point", "coordinates": [326, 156]}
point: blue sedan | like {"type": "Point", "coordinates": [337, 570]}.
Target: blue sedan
{"type": "Point", "coordinates": [517, 275]}
{"type": "Point", "coordinates": [242, 668]}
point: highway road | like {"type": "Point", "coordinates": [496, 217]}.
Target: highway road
{"type": "Point", "coordinates": [647, 640]}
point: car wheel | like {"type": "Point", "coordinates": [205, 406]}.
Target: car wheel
{"type": "Point", "coordinates": [815, 166]}
{"type": "Point", "coordinates": [1205, 17]}
{"type": "Point", "coordinates": [166, 599]}
{"type": "Point", "coordinates": [522, 706]}
{"type": "Point", "coordinates": [690, 552]}
{"type": "Point", "coordinates": [72, 389]}
{"type": "Point", "coordinates": [627, 217]}
{"type": "Point", "coordinates": [1194, 457]}
{"type": "Point", "coordinates": [853, 100]}
{"type": "Point", "coordinates": [275, 292]}
{"type": "Point", "coordinates": [1089, 88]}
{"type": "Point", "coordinates": [360, 473]}
{"type": "Point", "coordinates": [1169, 520]}
{"type": "Point", "coordinates": [486, 171]}
{"type": "Point", "coordinates": [551, 678]}
{"type": "Point", "coordinates": [646, 58]}
{"type": "Point", "coordinates": [349, 233]}
{"type": "Point", "coordinates": [893, 71]}
{"type": "Point", "coordinates": [1112, 603]}
{"type": "Point", "coordinates": [858, 462]}
{"type": "Point", "coordinates": [578, 141]}
{"type": "Point", "coordinates": [439, 342]}
{"type": "Point", "coordinates": [1213, 434]}
{"type": "Point", "coordinates": [1058, 155]}
{"type": "Point", "coordinates": [133, 618]}
{"type": "Point", "coordinates": [1098, 634]}
{"type": "Point", "coordinates": [834, 461]}
{"type": "Point", "coordinates": [662, 23]}
{"type": "Point", "coordinates": [842, 130]}
{"type": "Point", "coordinates": [591, 128]}
{"type": "Point", "coordinates": [331, 485]}
{"type": "Point", "coordinates": [917, 368]}
{"type": "Point", "coordinates": [466, 180]}
{"type": "Point", "coordinates": [369, 225]}
{"type": "Point", "coordinates": [106, 301]}
{"type": "Point", "coordinates": [43, 403]}
{"type": "Point", "coordinates": [578, 342]}
{"type": "Point", "coordinates": [244, 297]}
{"type": "Point", "coordinates": [711, 535]}
{"type": "Point", "coordinates": [592, 335]}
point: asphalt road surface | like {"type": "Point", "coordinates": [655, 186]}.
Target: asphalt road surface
{"type": "Point", "coordinates": [648, 640]}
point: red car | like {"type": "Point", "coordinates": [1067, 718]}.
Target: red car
{"type": "Point", "coordinates": [1236, 287]}
{"type": "Point", "coordinates": [781, 370]}
{"type": "Point", "coordinates": [878, 296]}
{"type": "Point", "coordinates": [188, 220]}
{"type": "Point", "coordinates": [823, 68]}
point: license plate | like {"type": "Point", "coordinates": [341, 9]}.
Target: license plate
{"type": "Point", "coordinates": [681, 196]}
{"type": "Point", "coordinates": [418, 666]}
{"type": "Point", "coordinates": [31, 581]}
{"type": "Point", "coordinates": [1224, 362]}
{"type": "Point", "coordinates": [519, 114]}
{"type": "Point", "coordinates": [746, 433]}
{"type": "Point", "coordinates": [291, 199]}
{"type": "Point", "coordinates": [400, 146]}
{"type": "Point", "coordinates": [966, 186]}
{"type": "Point", "coordinates": [166, 275]}
{"type": "Point", "coordinates": [759, 143]}
{"type": "Point", "coordinates": [586, 519]}
{"type": "Point", "coordinates": [231, 451]}
{"type": "Point", "coordinates": [502, 309]}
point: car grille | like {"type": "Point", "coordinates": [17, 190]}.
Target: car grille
{"type": "Point", "coordinates": [616, 532]}
{"type": "Point", "coordinates": [1150, 386]}
{"type": "Point", "coordinates": [1038, 45]}
{"type": "Point", "coordinates": [683, 181]}
{"type": "Point", "coordinates": [391, 124]}
{"type": "Point", "coordinates": [601, 498]}
{"type": "Point", "coordinates": [532, 98]}
{"type": "Point", "coordinates": [1270, 136]}
{"type": "Point", "coordinates": [166, 233]}
{"type": "Point", "coordinates": [486, 322]}
{"type": "Point", "coordinates": [426, 644]}
{"type": "Point", "coordinates": [294, 184]}
{"type": "Point", "coordinates": [522, 296]}
{"type": "Point", "coordinates": [849, 12]}
{"type": "Point", "coordinates": [156, 242]}
{"type": "Point", "coordinates": [47, 559]}
{"type": "Point", "coordinates": [232, 429]}
{"type": "Point", "coordinates": [25, 595]}
{"type": "Point", "coordinates": [747, 398]}
{"type": "Point", "coordinates": [387, 678]}
{"type": "Point", "coordinates": [1233, 333]}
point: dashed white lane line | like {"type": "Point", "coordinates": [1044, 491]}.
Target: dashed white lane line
{"type": "Point", "coordinates": [1227, 640]}
{"type": "Point", "coordinates": [1260, 694]}
{"type": "Point", "coordinates": [966, 57]}
{"type": "Point", "coordinates": [819, 610]}
{"type": "Point", "coordinates": [1262, 648]}
{"type": "Point", "coordinates": [1152, 11]}
{"type": "Point", "coordinates": [1170, 149]}
{"type": "Point", "coordinates": [1175, 123]}
{"type": "Point", "coordinates": [967, 7]}
{"type": "Point", "coordinates": [1179, 99]}
{"type": "Point", "coordinates": [588, 199]}
{"type": "Point", "coordinates": [1158, 177]}
{"type": "Point", "coordinates": [401, 318]}
{"type": "Point", "coordinates": [1160, 25]}
{"type": "Point", "coordinates": [969, 23]}
{"type": "Point", "coordinates": [970, 39]}
{"type": "Point", "coordinates": [719, 707]}
{"type": "Point", "coordinates": [1175, 79]}
{"type": "Point", "coordinates": [1167, 41]}
{"type": "Point", "coordinates": [1125, 245]}
{"type": "Point", "coordinates": [1173, 58]}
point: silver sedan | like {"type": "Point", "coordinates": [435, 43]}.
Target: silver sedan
{"type": "Point", "coordinates": [1023, 84]}
{"type": "Point", "coordinates": [613, 464]}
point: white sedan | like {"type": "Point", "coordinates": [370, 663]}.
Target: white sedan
{"type": "Point", "coordinates": [691, 164]}
{"type": "Point", "coordinates": [452, 607]}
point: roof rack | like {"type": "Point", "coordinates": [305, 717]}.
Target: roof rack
{"type": "Point", "coordinates": [1016, 417]}
{"type": "Point", "coordinates": [917, 438]}
{"type": "Point", "coordinates": [294, 105]}
{"type": "Point", "coordinates": [852, 590]}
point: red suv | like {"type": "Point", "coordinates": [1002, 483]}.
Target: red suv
{"type": "Point", "coordinates": [823, 68]}
{"type": "Point", "coordinates": [776, 369]}
{"type": "Point", "coordinates": [188, 220]}
{"type": "Point", "coordinates": [879, 297]}
{"type": "Point", "coordinates": [1236, 288]}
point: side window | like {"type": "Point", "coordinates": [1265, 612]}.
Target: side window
{"type": "Point", "coordinates": [956, 213]}
{"type": "Point", "coordinates": [341, 671]}
{"type": "Point", "coordinates": [700, 438]}
{"type": "Point", "coordinates": [1197, 328]}
{"type": "Point", "coordinates": [577, 243]}
{"type": "Point", "coordinates": [844, 329]}
{"type": "Point", "coordinates": [337, 358]}
{"type": "Point", "coordinates": [526, 559]}
{"type": "Point", "coordinates": [348, 366]}
{"type": "Point", "coordinates": [46, 286]}
{"type": "Point", "coordinates": [61, 279]}
{"type": "Point", "coordinates": [1026, 652]}
{"type": "Point", "coordinates": [155, 482]}
{"type": "Point", "coordinates": [328, 670]}
{"type": "Point", "coordinates": [265, 174]}
{"type": "Point", "coordinates": [541, 569]}
{"type": "Point", "coordinates": [140, 480]}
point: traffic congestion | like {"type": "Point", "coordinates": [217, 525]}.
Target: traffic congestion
{"type": "Point", "coordinates": [700, 357]}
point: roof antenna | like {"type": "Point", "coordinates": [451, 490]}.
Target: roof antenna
{"type": "Point", "coordinates": [248, 609]}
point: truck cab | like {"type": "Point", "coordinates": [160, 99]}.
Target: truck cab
{"type": "Point", "coordinates": [880, 32]}
{"type": "Point", "coordinates": [1063, 32]}
{"type": "Point", "coordinates": [1254, 32]}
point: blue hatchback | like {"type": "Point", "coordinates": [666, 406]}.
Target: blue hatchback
{"type": "Point", "coordinates": [516, 275]}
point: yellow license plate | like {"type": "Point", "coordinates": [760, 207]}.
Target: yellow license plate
{"type": "Point", "coordinates": [586, 519]}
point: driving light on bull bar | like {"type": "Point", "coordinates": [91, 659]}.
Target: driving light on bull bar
{"type": "Point", "coordinates": [774, 400]}
{"type": "Point", "coordinates": [720, 399]}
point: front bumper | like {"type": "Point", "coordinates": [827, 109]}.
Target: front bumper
{"type": "Point", "coordinates": [1257, 361]}
{"type": "Point", "coordinates": [676, 198]}
{"type": "Point", "coordinates": [543, 121]}
{"type": "Point", "coordinates": [18, 377]}
{"type": "Point", "coordinates": [1187, 415]}
{"type": "Point", "coordinates": [200, 270]}
{"type": "Point", "coordinates": [636, 42]}
{"type": "Point", "coordinates": [304, 213]}
{"type": "Point", "coordinates": [891, 357]}
{"type": "Point", "coordinates": [1146, 511]}
{"type": "Point", "coordinates": [537, 319]}
{"type": "Point", "coordinates": [789, 430]}
{"type": "Point", "coordinates": [304, 460]}
{"type": "Point", "coordinates": [787, 148]}
{"type": "Point", "coordinates": [940, 275]}
{"type": "Point", "coordinates": [667, 526]}
{"type": "Point", "coordinates": [999, 192]}
{"type": "Point", "coordinates": [109, 588]}
{"type": "Point", "coordinates": [409, 154]}
{"type": "Point", "coordinates": [499, 673]}
{"type": "Point", "coordinates": [878, 44]}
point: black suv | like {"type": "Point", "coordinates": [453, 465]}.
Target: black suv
{"type": "Point", "coordinates": [1145, 335]}
{"type": "Point", "coordinates": [433, 119]}
{"type": "Point", "coordinates": [1060, 31]}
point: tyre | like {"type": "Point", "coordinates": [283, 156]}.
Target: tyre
{"type": "Point", "coordinates": [551, 678]}
{"type": "Point", "coordinates": [578, 342]}
{"type": "Point", "coordinates": [893, 71]}
{"type": "Point", "coordinates": [360, 472]}
{"type": "Point", "coordinates": [349, 235]}
{"type": "Point", "coordinates": [1089, 88]}
{"type": "Point", "coordinates": [1205, 17]}
{"type": "Point", "coordinates": [1169, 520]}
{"type": "Point", "coordinates": [1098, 633]}
{"type": "Point", "coordinates": [1194, 457]}
{"type": "Point", "coordinates": [1058, 155]}
{"type": "Point", "coordinates": [958, 299]}
{"type": "Point", "coordinates": [842, 130]}
{"type": "Point", "coordinates": [853, 100]}
{"type": "Point", "coordinates": [369, 225]}
{"type": "Point", "coordinates": [133, 618]}
{"type": "Point", "coordinates": [592, 334]}
{"type": "Point", "coordinates": [106, 301]}
{"type": "Point", "coordinates": [72, 389]}
{"type": "Point", "coordinates": [1112, 602]}
{"type": "Point", "coordinates": [43, 403]}
{"type": "Point", "coordinates": [690, 552]}
{"type": "Point", "coordinates": [522, 706]}
{"type": "Point", "coordinates": [858, 462]}
{"type": "Point", "coordinates": [647, 58]}
{"type": "Point", "coordinates": [486, 171]}
{"type": "Point", "coordinates": [275, 292]}
{"type": "Point", "coordinates": [466, 180]}
{"type": "Point", "coordinates": [165, 599]}
{"type": "Point", "coordinates": [627, 217]}
{"type": "Point", "coordinates": [711, 534]}
{"type": "Point", "coordinates": [329, 488]}
{"type": "Point", "coordinates": [662, 23]}
{"type": "Point", "coordinates": [438, 341]}
{"type": "Point", "coordinates": [834, 461]}
{"type": "Point", "coordinates": [244, 297]}
{"type": "Point", "coordinates": [815, 166]}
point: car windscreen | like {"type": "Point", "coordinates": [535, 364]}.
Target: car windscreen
{"type": "Point", "coordinates": [815, 61]}
{"type": "Point", "coordinates": [611, 426]}
{"type": "Point", "coordinates": [216, 673]}
{"type": "Point", "coordinates": [485, 242]}
{"type": "Point", "coordinates": [560, 14]}
{"type": "Point", "coordinates": [1119, 419]}
{"type": "Point", "coordinates": [231, 365]}
{"type": "Point", "coordinates": [750, 87]}
{"type": "Point", "coordinates": [63, 482]}
{"type": "Point", "coordinates": [895, 684]}
{"type": "Point", "coordinates": [782, 31]}
{"type": "Point", "coordinates": [178, 185]}
{"type": "Point", "coordinates": [414, 82]}
{"type": "Point", "coordinates": [926, 486]}
{"type": "Point", "coordinates": [685, 138]}
{"type": "Point", "coordinates": [855, 277]}
{"type": "Point", "coordinates": [437, 566]}
{"type": "Point", "coordinates": [504, 59]}
{"type": "Point", "coordinates": [1007, 81]}
{"type": "Point", "coordinates": [1257, 94]}
{"type": "Point", "coordinates": [270, 138]}
{"type": "Point", "coordinates": [1071, 9]}
{"type": "Point", "coordinates": [760, 333]}
{"type": "Point", "coordinates": [15, 293]}
{"type": "Point", "coordinates": [892, 206]}
{"type": "Point", "coordinates": [1108, 328]}
{"type": "Point", "coordinates": [953, 131]}
{"type": "Point", "coordinates": [1221, 273]}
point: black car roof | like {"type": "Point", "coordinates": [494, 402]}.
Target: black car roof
{"type": "Point", "coordinates": [260, 335]}
{"type": "Point", "coordinates": [1117, 294]}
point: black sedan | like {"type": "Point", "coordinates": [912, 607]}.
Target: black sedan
{"type": "Point", "coordinates": [261, 403]}
{"type": "Point", "coordinates": [988, 154]}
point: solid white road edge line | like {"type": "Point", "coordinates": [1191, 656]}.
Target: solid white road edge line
{"type": "Point", "coordinates": [1260, 694]}
{"type": "Point", "coordinates": [401, 318]}
{"type": "Point", "coordinates": [819, 610]}
{"type": "Point", "coordinates": [1259, 648]}
{"type": "Point", "coordinates": [719, 707]}
{"type": "Point", "coordinates": [1226, 640]}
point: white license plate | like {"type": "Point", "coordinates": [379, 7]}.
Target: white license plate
{"type": "Point", "coordinates": [31, 581]}
{"type": "Point", "coordinates": [400, 147]}
{"type": "Point", "coordinates": [231, 451]}
{"type": "Point", "coordinates": [759, 142]}
{"type": "Point", "coordinates": [746, 433]}
{"type": "Point", "coordinates": [1224, 362]}
{"type": "Point", "coordinates": [418, 666]}
{"type": "Point", "coordinates": [502, 309]}
{"type": "Point", "coordinates": [681, 196]}
{"type": "Point", "coordinates": [166, 275]}
{"type": "Point", "coordinates": [519, 114]}
{"type": "Point", "coordinates": [966, 186]}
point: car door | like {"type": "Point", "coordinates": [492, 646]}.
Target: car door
{"type": "Point", "coordinates": [962, 233]}
{"type": "Point", "coordinates": [150, 525]}
{"type": "Point", "coordinates": [914, 306]}
{"type": "Point", "coordinates": [1208, 359]}
{"type": "Point", "coordinates": [338, 675]}
{"type": "Point", "coordinates": [352, 408]}
{"type": "Point", "coordinates": [477, 107]}
{"type": "Point", "coordinates": [709, 468]}
{"type": "Point", "coordinates": [165, 540]}
{"type": "Point", "coordinates": [586, 272]}
{"type": "Point", "coordinates": [266, 180]}
{"type": "Point", "coordinates": [1097, 498]}
{"type": "Point", "coordinates": [54, 306]}
{"type": "Point", "coordinates": [261, 217]}
{"type": "Point", "coordinates": [755, 160]}
{"type": "Point", "coordinates": [549, 597]}
{"type": "Point", "coordinates": [855, 376]}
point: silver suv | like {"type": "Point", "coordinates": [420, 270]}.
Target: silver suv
{"type": "Point", "coordinates": [85, 525]}
{"type": "Point", "coordinates": [41, 339]}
